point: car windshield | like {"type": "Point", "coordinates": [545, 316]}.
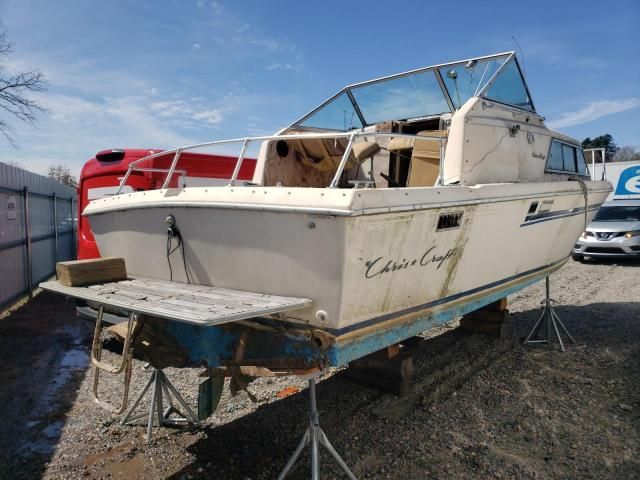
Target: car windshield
{"type": "Point", "coordinates": [619, 213]}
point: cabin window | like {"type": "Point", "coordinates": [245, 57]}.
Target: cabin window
{"type": "Point", "coordinates": [411, 96]}
{"type": "Point", "coordinates": [555, 157]}
{"type": "Point", "coordinates": [569, 158]}
{"type": "Point", "coordinates": [464, 81]}
{"type": "Point", "coordinates": [337, 114]}
{"type": "Point", "coordinates": [565, 158]}
{"type": "Point", "coordinates": [582, 164]}
{"type": "Point", "coordinates": [508, 87]}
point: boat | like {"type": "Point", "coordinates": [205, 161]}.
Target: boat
{"type": "Point", "coordinates": [396, 205]}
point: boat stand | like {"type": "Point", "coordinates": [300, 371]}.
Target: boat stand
{"type": "Point", "coordinates": [316, 436]}
{"type": "Point", "coordinates": [550, 317]}
{"type": "Point", "coordinates": [157, 411]}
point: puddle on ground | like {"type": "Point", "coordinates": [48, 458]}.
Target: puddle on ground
{"type": "Point", "coordinates": [72, 361]}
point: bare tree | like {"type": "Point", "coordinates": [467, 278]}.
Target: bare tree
{"type": "Point", "coordinates": [624, 154]}
{"type": "Point", "coordinates": [62, 174]}
{"type": "Point", "coordinates": [14, 163]}
{"type": "Point", "coordinates": [15, 89]}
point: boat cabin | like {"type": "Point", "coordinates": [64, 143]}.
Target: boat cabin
{"type": "Point", "coordinates": [430, 126]}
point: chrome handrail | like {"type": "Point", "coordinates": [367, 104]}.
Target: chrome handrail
{"type": "Point", "coordinates": [299, 136]}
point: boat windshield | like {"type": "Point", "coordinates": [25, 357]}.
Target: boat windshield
{"type": "Point", "coordinates": [425, 92]}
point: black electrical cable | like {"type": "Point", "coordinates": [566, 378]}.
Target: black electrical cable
{"type": "Point", "coordinates": [169, 259]}
{"type": "Point", "coordinates": [170, 251]}
{"type": "Point", "coordinates": [184, 261]}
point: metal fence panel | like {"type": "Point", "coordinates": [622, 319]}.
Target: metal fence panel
{"type": "Point", "coordinates": [13, 273]}
{"type": "Point", "coordinates": [29, 251]}
{"type": "Point", "coordinates": [11, 230]}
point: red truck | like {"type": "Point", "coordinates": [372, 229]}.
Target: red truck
{"type": "Point", "coordinates": [102, 174]}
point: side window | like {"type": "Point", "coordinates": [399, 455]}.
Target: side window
{"type": "Point", "coordinates": [582, 164]}
{"type": "Point", "coordinates": [566, 158]}
{"type": "Point", "coordinates": [555, 156]}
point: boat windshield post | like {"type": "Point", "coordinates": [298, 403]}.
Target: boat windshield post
{"type": "Point", "coordinates": [172, 169]}
{"type": "Point", "coordinates": [343, 162]}
{"type": "Point", "coordinates": [236, 170]}
{"type": "Point", "coordinates": [440, 180]}
{"type": "Point", "coordinates": [123, 182]}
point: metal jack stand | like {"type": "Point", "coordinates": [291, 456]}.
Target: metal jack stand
{"type": "Point", "coordinates": [316, 437]}
{"type": "Point", "coordinates": [157, 411]}
{"type": "Point", "coordinates": [552, 321]}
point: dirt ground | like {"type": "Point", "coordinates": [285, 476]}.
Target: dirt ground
{"type": "Point", "coordinates": [481, 407]}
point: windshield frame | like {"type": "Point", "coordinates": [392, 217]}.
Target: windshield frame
{"type": "Point", "coordinates": [482, 93]}
{"type": "Point", "coordinates": [348, 91]}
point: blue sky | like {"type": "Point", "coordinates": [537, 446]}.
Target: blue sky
{"type": "Point", "coordinates": [161, 73]}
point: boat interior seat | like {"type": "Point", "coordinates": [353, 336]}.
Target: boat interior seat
{"type": "Point", "coordinates": [398, 144]}
{"type": "Point", "coordinates": [424, 166]}
{"type": "Point", "coordinates": [363, 150]}
{"type": "Point", "coordinates": [324, 155]}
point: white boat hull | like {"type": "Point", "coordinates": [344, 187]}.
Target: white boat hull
{"type": "Point", "coordinates": [364, 257]}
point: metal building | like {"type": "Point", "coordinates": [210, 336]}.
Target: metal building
{"type": "Point", "coordinates": [37, 229]}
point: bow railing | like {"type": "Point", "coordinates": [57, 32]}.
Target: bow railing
{"type": "Point", "coordinates": [246, 141]}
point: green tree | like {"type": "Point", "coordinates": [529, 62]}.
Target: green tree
{"type": "Point", "coordinates": [603, 141]}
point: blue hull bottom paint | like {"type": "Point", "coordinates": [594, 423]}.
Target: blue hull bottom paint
{"type": "Point", "coordinates": [291, 347]}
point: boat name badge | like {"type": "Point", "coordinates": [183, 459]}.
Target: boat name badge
{"type": "Point", "coordinates": [381, 265]}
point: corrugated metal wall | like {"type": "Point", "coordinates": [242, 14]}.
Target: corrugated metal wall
{"type": "Point", "coordinates": [32, 252]}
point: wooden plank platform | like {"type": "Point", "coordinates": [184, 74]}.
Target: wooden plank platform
{"type": "Point", "coordinates": [196, 304]}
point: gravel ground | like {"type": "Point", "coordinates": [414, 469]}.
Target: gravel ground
{"type": "Point", "coordinates": [481, 407]}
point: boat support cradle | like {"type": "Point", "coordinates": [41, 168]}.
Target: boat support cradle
{"type": "Point", "coordinates": [315, 436]}
{"type": "Point", "coordinates": [551, 319]}
{"type": "Point", "coordinates": [161, 384]}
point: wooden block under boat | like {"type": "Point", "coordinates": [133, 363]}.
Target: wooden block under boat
{"type": "Point", "coordinates": [76, 273]}
{"type": "Point", "coordinates": [392, 375]}
{"type": "Point", "coordinates": [492, 319]}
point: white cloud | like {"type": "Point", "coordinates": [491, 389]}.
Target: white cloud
{"type": "Point", "coordinates": [284, 67]}
{"type": "Point", "coordinates": [171, 108]}
{"type": "Point", "coordinates": [212, 117]}
{"type": "Point", "coordinates": [94, 107]}
{"type": "Point", "coordinates": [217, 8]}
{"type": "Point", "coordinates": [185, 112]}
{"type": "Point", "coordinates": [268, 43]}
{"type": "Point", "coordinates": [196, 46]}
{"type": "Point", "coordinates": [595, 110]}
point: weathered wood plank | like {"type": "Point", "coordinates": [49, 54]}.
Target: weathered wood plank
{"type": "Point", "coordinates": [390, 375]}
{"type": "Point", "coordinates": [77, 273]}
{"type": "Point", "coordinates": [497, 306]}
{"type": "Point", "coordinates": [197, 304]}
{"type": "Point", "coordinates": [493, 319]}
